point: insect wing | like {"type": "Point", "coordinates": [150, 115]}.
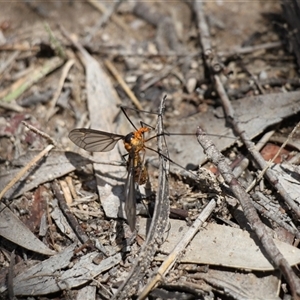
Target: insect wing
{"type": "Point", "coordinates": [130, 195]}
{"type": "Point", "coordinates": [94, 140]}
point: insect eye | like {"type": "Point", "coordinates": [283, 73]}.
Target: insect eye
{"type": "Point", "coordinates": [129, 137]}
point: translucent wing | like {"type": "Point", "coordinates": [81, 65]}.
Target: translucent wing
{"type": "Point", "coordinates": [94, 140]}
{"type": "Point", "coordinates": [130, 195]}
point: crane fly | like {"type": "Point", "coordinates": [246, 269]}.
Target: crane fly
{"type": "Point", "coordinates": [101, 141]}
{"type": "Point", "coordinates": [134, 143]}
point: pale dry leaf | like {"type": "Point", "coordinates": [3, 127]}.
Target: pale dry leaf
{"type": "Point", "coordinates": [255, 114]}
{"type": "Point", "coordinates": [222, 246]}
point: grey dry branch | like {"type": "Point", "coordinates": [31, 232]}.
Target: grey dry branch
{"type": "Point", "coordinates": [250, 213]}
{"type": "Point", "coordinates": [270, 175]}
{"type": "Point", "coordinates": [274, 255]}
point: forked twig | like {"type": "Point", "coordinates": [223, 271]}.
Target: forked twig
{"type": "Point", "coordinates": [229, 112]}
{"type": "Point", "coordinates": [270, 174]}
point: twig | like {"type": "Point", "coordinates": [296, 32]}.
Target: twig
{"type": "Point", "coordinates": [56, 95]}
{"type": "Point", "coordinates": [250, 213]}
{"type": "Point", "coordinates": [71, 188]}
{"type": "Point", "coordinates": [131, 53]}
{"type": "Point", "coordinates": [25, 169]}
{"type": "Point", "coordinates": [229, 112]}
{"type": "Point", "coordinates": [243, 164]}
{"type": "Point", "coordinates": [249, 49]}
{"type": "Point", "coordinates": [50, 223]}
{"type": "Point", "coordinates": [66, 191]}
{"type": "Point", "coordinates": [40, 133]}
{"type": "Point", "coordinates": [21, 85]}
{"type": "Point", "coordinates": [107, 14]}
{"type": "Point", "coordinates": [164, 73]}
{"type": "Point", "coordinates": [254, 78]}
{"type": "Point", "coordinates": [98, 5]}
{"type": "Point", "coordinates": [11, 106]}
{"type": "Point", "coordinates": [269, 164]}
{"type": "Point", "coordinates": [8, 62]}
{"type": "Point", "coordinates": [19, 47]}
{"type": "Point", "coordinates": [260, 197]}
{"type": "Point", "coordinates": [176, 252]}
{"type": "Point", "coordinates": [123, 84]}
{"type": "Point", "coordinates": [266, 137]}
{"type": "Point", "coordinates": [274, 255]}
{"type": "Point", "coordinates": [270, 175]}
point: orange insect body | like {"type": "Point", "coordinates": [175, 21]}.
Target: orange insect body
{"type": "Point", "coordinates": [134, 142]}
{"type": "Point", "coordinates": [140, 170]}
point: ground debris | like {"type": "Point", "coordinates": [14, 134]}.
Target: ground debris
{"type": "Point", "coordinates": [76, 75]}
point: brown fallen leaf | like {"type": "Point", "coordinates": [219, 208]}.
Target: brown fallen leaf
{"type": "Point", "coordinates": [12, 229]}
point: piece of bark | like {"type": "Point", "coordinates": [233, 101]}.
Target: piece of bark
{"type": "Point", "coordinates": [291, 13]}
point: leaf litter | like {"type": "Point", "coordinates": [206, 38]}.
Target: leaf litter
{"type": "Point", "coordinates": [144, 62]}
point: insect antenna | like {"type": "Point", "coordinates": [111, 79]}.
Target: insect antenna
{"type": "Point", "coordinates": [124, 108]}
{"type": "Point", "coordinates": [143, 124]}
{"type": "Point", "coordinates": [127, 117]}
{"type": "Point", "coordinates": [138, 110]}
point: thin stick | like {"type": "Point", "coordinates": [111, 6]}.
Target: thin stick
{"type": "Point", "coordinates": [40, 133]}
{"type": "Point", "coordinates": [107, 14]}
{"type": "Point", "coordinates": [98, 5]}
{"type": "Point", "coordinates": [13, 106]}
{"type": "Point", "coordinates": [123, 84]}
{"type": "Point", "coordinates": [249, 49]}
{"type": "Point", "coordinates": [67, 213]}
{"type": "Point", "coordinates": [25, 169]}
{"type": "Point", "coordinates": [269, 164]}
{"type": "Point", "coordinates": [273, 254]}
{"type": "Point", "coordinates": [176, 252]}
{"type": "Point", "coordinates": [16, 89]}
{"type": "Point", "coordinates": [8, 61]}
{"type": "Point", "coordinates": [267, 242]}
{"type": "Point", "coordinates": [11, 276]}
{"type": "Point", "coordinates": [62, 79]}
{"type": "Point", "coordinates": [19, 47]}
